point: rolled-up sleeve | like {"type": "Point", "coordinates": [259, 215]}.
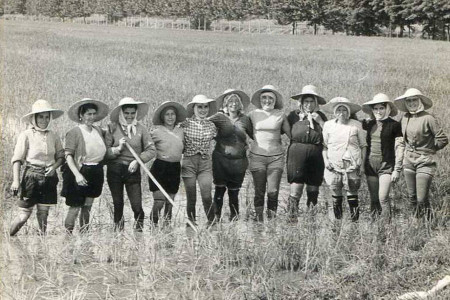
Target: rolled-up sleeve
{"type": "Point", "coordinates": [440, 139]}
{"type": "Point", "coordinates": [149, 150]}
{"type": "Point", "coordinates": [21, 148]}
{"type": "Point", "coordinates": [70, 143]}
{"type": "Point", "coordinates": [59, 150]}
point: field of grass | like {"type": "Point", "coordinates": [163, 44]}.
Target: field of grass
{"type": "Point", "coordinates": [309, 260]}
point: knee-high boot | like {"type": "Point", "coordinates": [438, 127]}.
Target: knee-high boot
{"type": "Point", "coordinates": [233, 198]}
{"type": "Point", "coordinates": [354, 207]}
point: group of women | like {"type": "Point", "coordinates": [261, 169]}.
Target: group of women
{"type": "Point", "coordinates": [338, 151]}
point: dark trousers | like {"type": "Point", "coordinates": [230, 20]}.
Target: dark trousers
{"type": "Point", "coordinates": [118, 177]}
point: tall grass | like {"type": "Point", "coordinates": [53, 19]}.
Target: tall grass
{"type": "Point", "coordinates": [313, 259]}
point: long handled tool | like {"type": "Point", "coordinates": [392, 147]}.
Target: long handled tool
{"type": "Point", "coordinates": [141, 163]}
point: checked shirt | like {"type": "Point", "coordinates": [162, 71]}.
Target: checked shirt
{"type": "Point", "coordinates": [198, 134]}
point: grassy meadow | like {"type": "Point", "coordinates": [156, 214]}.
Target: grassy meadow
{"type": "Point", "coordinates": [64, 63]}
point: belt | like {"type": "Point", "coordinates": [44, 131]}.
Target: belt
{"type": "Point", "coordinates": [36, 169]}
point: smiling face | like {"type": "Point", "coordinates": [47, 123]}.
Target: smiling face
{"type": "Point", "coordinates": [233, 104]}
{"type": "Point", "coordinates": [201, 110]}
{"type": "Point", "coordinates": [308, 104]}
{"type": "Point", "coordinates": [88, 117]}
{"type": "Point", "coordinates": [169, 117]}
{"type": "Point", "coordinates": [412, 103]}
{"type": "Point", "coordinates": [42, 120]}
{"type": "Point", "coordinates": [267, 100]}
{"type": "Point", "coordinates": [379, 111]}
{"type": "Point", "coordinates": [129, 114]}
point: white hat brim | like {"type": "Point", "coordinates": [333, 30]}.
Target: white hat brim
{"type": "Point", "coordinates": [401, 105]}
{"type": "Point", "coordinates": [257, 102]}
{"type": "Point", "coordinates": [329, 107]}
{"type": "Point", "coordinates": [142, 110]}
{"type": "Point", "coordinates": [180, 112]}
{"type": "Point", "coordinates": [212, 107]}
{"type": "Point", "coordinates": [56, 113]}
{"type": "Point", "coordinates": [102, 110]}
{"type": "Point", "coordinates": [244, 98]}
{"type": "Point", "coordinates": [320, 99]}
{"type": "Point", "coordinates": [367, 107]}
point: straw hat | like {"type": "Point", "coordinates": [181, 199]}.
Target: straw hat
{"type": "Point", "coordinates": [310, 90]}
{"type": "Point", "coordinates": [329, 107]}
{"type": "Point", "coordinates": [41, 106]}
{"type": "Point", "coordinates": [400, 101]}
{"type": "Point", "coordinates": [267, 88]}
{"type": "Point", "coordinates": [377, 99]}
{"type": "Point", "coordinates": [201, 99]}
{"type": "Point", "coordinates": [102, 109]}
{"type": "Point", "coordinates": [180, 111]}
{"type": "Point", "coordinates": [142, 109]}
{"type": "Point", "coordinates": [245, 99]}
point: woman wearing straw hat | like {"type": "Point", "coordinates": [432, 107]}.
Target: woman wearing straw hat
{"type": "Point", "coordinates": [122, 168]}
{"type": "Point", "coordinates": [266, 150]}
{"type": "Point", "coordinates": [304, 160]}
{"type": "Point", "coordinates": [85, 150]}
{"type": "Point", "coordinates": [41, 151]}
{"type": "Point", "coordinates": [166, 169]}
{"type": "Point", "coordinates": [196, 164]}
{"type": "Point", "coordinates": [343, 154]}
{"type": "Point", "coordinates": [382, 165]}
{"type": "Point", "coordinates": [422, 138]}
{"type": "Point", "coordinates": [229, 159]}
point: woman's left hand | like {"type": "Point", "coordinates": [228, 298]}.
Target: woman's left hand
{"type": "Point", "coordinates": [133, 166]}
{"type": "Point", "coordinates": [49, 171]}
{"type": "Point", "coordinates": [395, 176]}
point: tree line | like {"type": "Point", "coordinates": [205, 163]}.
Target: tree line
{"type": "Point", "coordinates": [354, 17]}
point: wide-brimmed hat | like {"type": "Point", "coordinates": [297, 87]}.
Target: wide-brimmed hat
{"type": "Point", "coordinates": [201, 99]}
{"type": "Point", "coordinates": [41, 106]}
{"type": "Point", "coordinates": [102, 109]}
{"type": "Point", "coordinates": [400, 101]}
{"type": "Point", "coordinates": [310, 90]}
{"type": "Point", "coordinates": [267, 88]}
{"type": "Point", "coordinates": [142, 109]}
{"type": "Point", "coordinates": [180, 112]}
{"type": "Point", "coordinates": [378, 99]}
{"type": "Point", "coordinates": [245, 99]}
{"type": "Point", "coordinates": [329, 107]}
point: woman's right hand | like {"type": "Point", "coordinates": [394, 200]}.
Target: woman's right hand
{"type": "Point", "coordinates": [81, 181]}
{"type": "Point", "coordinates": [329, 166]}
{"type": "Point", "coordinates": [15, 187]}
{"type": "Point", "coordinates": [122, 142]}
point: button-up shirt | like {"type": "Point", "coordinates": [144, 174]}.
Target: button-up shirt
{"type": "Point", "coordinates": [198, 134]}
{"type": "Point", "coordinates": [38, 148]}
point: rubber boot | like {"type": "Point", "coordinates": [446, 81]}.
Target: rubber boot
{"type": "Point", "coordinates": [312, 198]}
{"type": "Point", "coordinates": [354, 207]}
{"type": "Point", "coordinates": [233, 198]}
{"type": "Point", "coordinates": [218, 201]}
{"type": "Point", "coordinates": [337, 207]}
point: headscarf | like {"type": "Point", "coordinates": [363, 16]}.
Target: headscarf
{"type": "Point", "coordinates": [387, 112]}
{"type": "Point", "coordinates": [227, 99]}
{"type": "Point", "coordinates": [344, 105]}
{"type": "Point", "coordinates": [302, 114]}
{"type": "Point", "coordinates": [130, 129]}
{"type": "Point", "coordinates": [419, 109]}
{"type": "Point", "coordinates": [36, 127]}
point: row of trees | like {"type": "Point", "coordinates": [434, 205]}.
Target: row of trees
{"type": "Point", "coordinates": [355, 17]}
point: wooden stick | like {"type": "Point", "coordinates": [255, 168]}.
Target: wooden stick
{"type": "Point", "coordinates": [141, 163]}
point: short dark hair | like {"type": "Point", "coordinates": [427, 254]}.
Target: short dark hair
{"type": "Point", "coordinates": [84, 108]}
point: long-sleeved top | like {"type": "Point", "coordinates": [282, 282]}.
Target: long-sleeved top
{"type": "Point", "coordinates": [267, 127]}
{"type": "Point", "coordinates": [231, 139]}
{"type": "Point", "coordinates": [198, 134]}
{"type": "Point", "coordinates": [38, 148]}
{"type": "Point", "coordinates": [344, 141]}
{"type": "Point", "coordinates": [422, 133]}
{"type": "Point", "coordinates": [388, 134]}
{"type": "Point", "coordinates": [74, 144]}
{"type": "Point", "coordinates": [169, 143]}
{"type": "Point", "coordinates": [141, 142]}
{"type": "Point", "coordinates": [301, 132]}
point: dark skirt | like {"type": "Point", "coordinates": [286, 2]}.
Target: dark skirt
{"type": "Point", "coordinates": [167, 174]}
{"type": "Point", "coordinates": [36, 188]}
{"type": "Point", "coordinates": [76, 195]}
{"type": "Point", "coordinates": [305, 164]}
